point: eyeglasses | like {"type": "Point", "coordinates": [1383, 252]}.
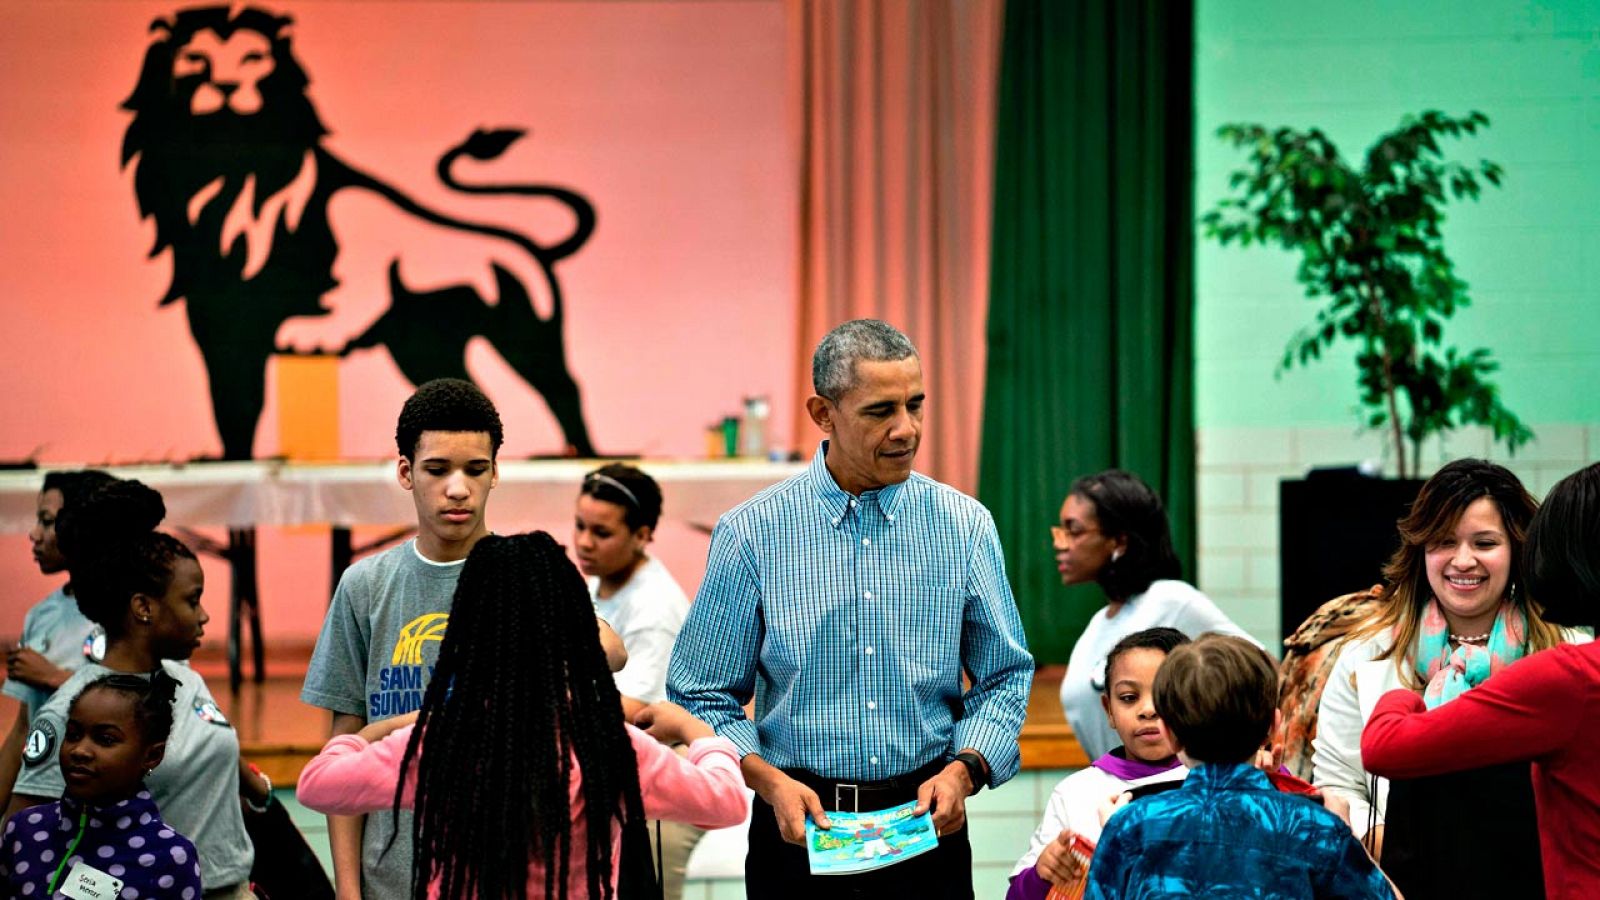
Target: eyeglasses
{"type": "Point", "coordinates": [1069, 534]}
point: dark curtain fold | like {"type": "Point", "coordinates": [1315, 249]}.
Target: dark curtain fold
{"type": "Point", "coordinates": [1090, 330]}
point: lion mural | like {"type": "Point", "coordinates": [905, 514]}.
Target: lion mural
{"type": "Point", "coordinates": [229, 163]}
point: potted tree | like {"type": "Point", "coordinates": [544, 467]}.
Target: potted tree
{"type": "Point", "coordinates": [1372, 256]}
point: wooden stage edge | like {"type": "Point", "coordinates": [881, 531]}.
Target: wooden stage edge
{"type": "Point", "coordinates": [280, 734]}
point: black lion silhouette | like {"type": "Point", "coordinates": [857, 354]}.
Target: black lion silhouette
{"type": "Point", "coordinates": [228, 161]}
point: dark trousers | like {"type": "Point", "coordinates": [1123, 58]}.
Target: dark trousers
{"type": "Point", "coordinates": [777, 870]}
{"type": "Point", "coordinates": [1425, 851]}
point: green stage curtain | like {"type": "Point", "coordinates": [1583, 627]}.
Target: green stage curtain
{"type": "Point", "coordinates": [1090, 331]}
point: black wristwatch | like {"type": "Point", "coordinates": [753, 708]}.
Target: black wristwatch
{"type": "Point", "coordinates": [975, 769]}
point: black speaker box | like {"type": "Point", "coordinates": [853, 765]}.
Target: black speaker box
{"type": "Point", "coordinates": [1336, 529]}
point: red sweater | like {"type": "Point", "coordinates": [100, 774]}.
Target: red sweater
{"type": "Point", "coordinates": [1544, 709]}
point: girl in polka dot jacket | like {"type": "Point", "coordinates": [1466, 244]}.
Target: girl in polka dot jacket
{"type": "Point", "coordinates": [105, 837]}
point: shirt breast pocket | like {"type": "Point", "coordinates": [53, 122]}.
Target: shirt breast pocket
{"type": "Point", "coordinates": [927, 619]}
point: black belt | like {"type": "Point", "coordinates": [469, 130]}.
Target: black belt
{"type": "Point", "coordinates": [854, 796]}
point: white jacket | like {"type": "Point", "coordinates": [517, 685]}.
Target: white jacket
{"type": "Point", "coordinates": [1348, 698]}
{"type": "Point", "coordinates": [1075, 804]}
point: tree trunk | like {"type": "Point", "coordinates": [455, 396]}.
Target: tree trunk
{"type": "Point", "coordinates": [1380, 321]}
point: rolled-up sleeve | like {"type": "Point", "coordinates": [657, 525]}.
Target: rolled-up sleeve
{"type": "Point", "coordinates": [994, 651]}
{"type": "Point", "coordinates": [712, 672]}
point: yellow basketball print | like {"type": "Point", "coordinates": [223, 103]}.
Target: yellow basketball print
{"type": "Point", "coordinates": [408, 648]}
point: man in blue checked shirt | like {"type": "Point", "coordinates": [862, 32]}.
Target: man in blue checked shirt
{"type": "Point", "coordinates": [848, 601]}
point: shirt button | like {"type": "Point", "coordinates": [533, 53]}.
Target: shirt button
{"type": "Point", "coordinates": [872, 704]}
{"type": "Point", "coordinates": [873, 760]}
{"type": "Point", "coordinates": [867, 595]}
{"type": "Point", "coordinates": [852, 503]}
{"type": "Point", "coordinates": [835, 521]}
{"type": "Point", "coordinates": [866, 542]}
{"type": "Point", "coordinates": [869, 651]}
{"type": "Point", "coordinates": [890, 517]}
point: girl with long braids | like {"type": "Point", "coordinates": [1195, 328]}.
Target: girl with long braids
{"type": "Point", "coordinates": [525, 779]}
{"type": "Point", "coordinates": [143, 587]}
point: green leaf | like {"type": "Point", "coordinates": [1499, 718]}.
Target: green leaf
{"type": "Point", "coordinates": [1372, 253]}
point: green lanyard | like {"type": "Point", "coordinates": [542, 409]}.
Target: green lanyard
{"type": "Point", "coordinates": [55, 881]}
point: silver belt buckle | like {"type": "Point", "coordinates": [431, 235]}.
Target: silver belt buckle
{"type": "Point", "coordinates": [839, 795]}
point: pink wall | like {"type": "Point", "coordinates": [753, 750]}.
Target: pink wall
{"type": "Point", "coordinates": [670, 116]}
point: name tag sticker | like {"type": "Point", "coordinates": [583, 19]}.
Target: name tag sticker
{"type": "Point", "coordinates": [85, 882]}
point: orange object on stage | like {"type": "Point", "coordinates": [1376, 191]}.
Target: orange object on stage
{"type": "Point", "coordinates": [308, 407]}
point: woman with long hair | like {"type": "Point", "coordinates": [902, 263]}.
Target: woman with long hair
{"type": "Point", "coordinates": [1114, 532]}
{"type": "Point", "coordinates": [525, 779]}
{"type": "Point", "coordinates": [1545, 711]}
{"type": "Point", "coordinates": [1455, 609]}
{"type": "Point", "coordinates": [144, 587]}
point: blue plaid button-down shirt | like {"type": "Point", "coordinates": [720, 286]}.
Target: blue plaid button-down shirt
{"type": "Point", "coordinates": [850, 620]}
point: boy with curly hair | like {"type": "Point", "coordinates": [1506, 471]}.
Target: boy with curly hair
{"type": "Point", "coordinates": [381, 637]}
{"type": "Point", "coordinates": [380, 640]}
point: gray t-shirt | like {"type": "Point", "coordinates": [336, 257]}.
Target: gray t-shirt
{"type": "Point", "coordinates": [56, 629]}
{"type": "Point", "coordinates": [374, 659]}
{"type": "Point", "coordinates": [196, 786]}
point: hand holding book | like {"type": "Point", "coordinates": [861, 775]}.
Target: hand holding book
{"type": "Point", "coordinates": [863, 841]}
{"type": "Point", "coordinates": [1065, 864]}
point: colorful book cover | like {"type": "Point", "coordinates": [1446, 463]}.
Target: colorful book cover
{"type": "Point", "coordinates": [1082, 851]}
{"type": "Point", "coordinates": [863, 841]}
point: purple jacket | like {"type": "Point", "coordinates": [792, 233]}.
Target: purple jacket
{"type": "Point", "coordinates": [126, 840]}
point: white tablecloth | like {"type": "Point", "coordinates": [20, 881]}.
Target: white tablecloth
{"type": "Point", "coordinates": [268, 493]}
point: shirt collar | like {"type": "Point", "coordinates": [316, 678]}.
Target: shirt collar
{"type": "Point", "coordinates": [1227, 776]}
{"type": "Point", "coordinates": [884, 501]}
{"type": "Point", "coordinates": [1118, 764]}
{"type": "Point", "coordinates": [140, 802]}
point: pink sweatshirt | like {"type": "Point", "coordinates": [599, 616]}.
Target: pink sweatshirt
{"type": "Point", "coordinates": [351, 776]}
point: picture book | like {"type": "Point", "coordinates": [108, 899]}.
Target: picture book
{"type": "Point", "coordinates": [1082, 850]}
{"type": "Point", "coordinates": [863, 841]}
